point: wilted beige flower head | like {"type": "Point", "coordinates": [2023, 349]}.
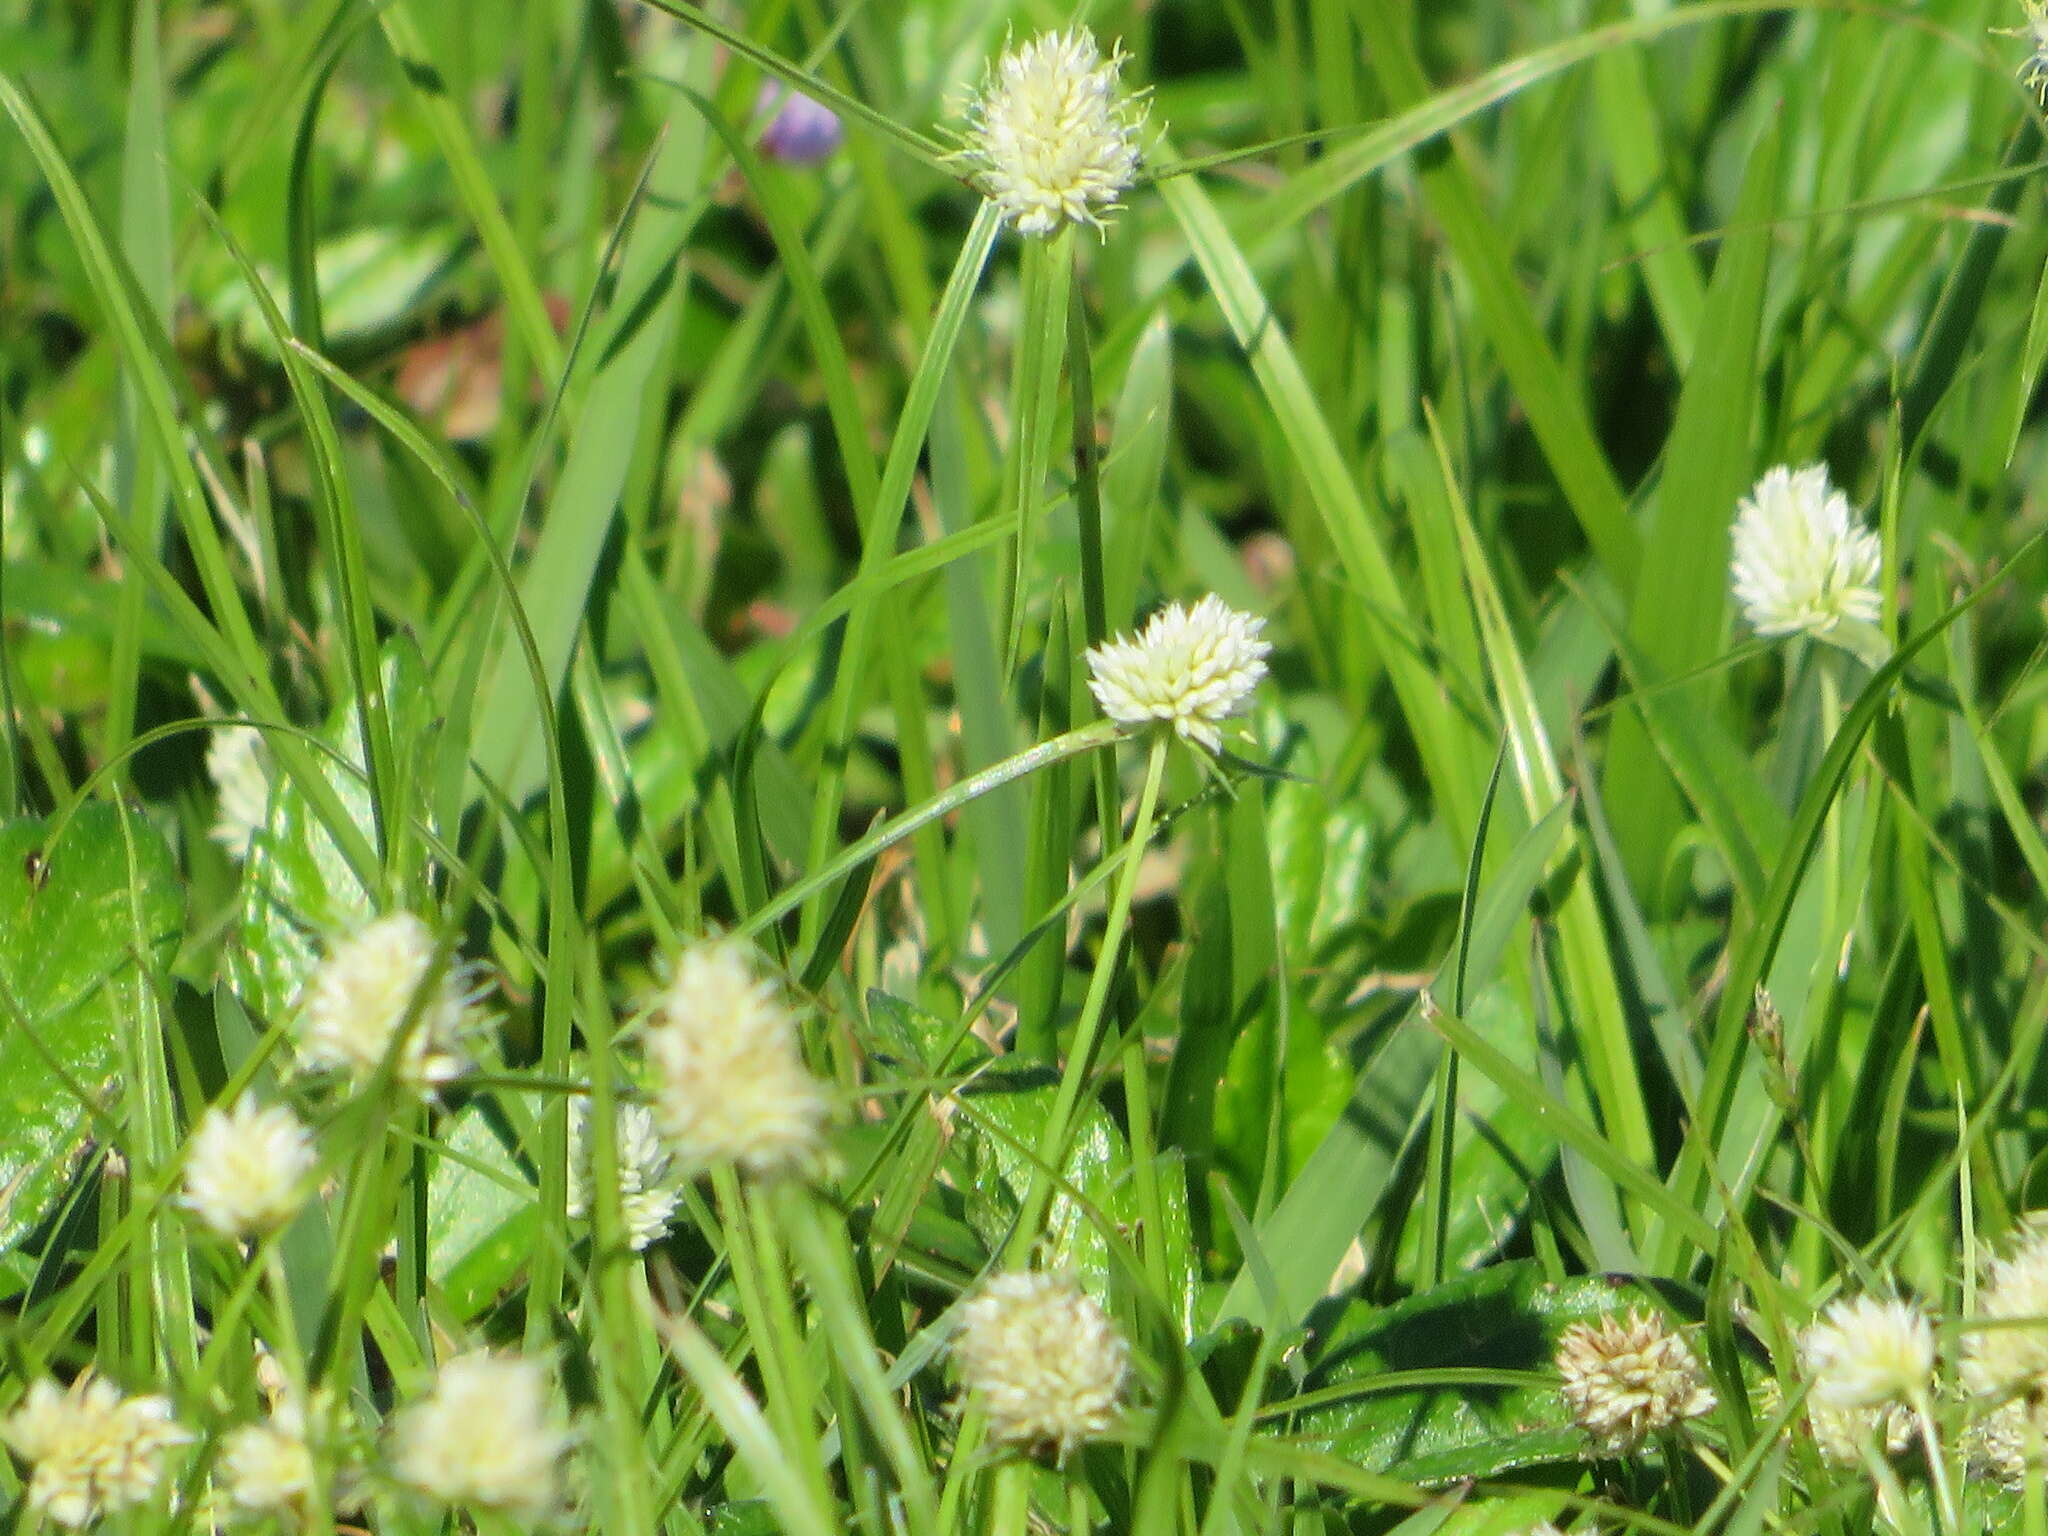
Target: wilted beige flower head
{"type": "Point", "coordinates": [486, 1435]}
{"type": "Point", "coordinates": [729, 1084]}
{"type": "Point", "coordinates": [1191, 668]}
{"type": "Point", "coordinates": [1841, 1433]}
{"type": "Point", "coordinates": [1802, 561]}
{"type": "Point", "coordinates": [1627, 1378]}
{"type": "Point", "coordinates": [2009, 1441]}
{"type": "Point", "coordinates": [235, 761]}
{"type": "Point", "coordinates": [2012, 1358]}
{"type": "Point", "coordinates": [247, 1168]}
{"type": "Point", "coordinates": [363, 993]}
{"type": "Point", "coordinates": [1867, 1352]}
{"type": "Point", "coordinates": [648, 1186]}
{"type": "Point", "coordinates": [1052, 139]}
{"type": "Point", "coordinates": [93, 1450]}
{"type": "Point", "coordinates": [1042, 1359]}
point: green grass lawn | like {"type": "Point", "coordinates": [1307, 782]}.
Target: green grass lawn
{"type": "Point", "coordinates": [598, 931]}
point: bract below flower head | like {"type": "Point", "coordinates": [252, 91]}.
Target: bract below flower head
{"type": "Point", "coordinates": [1052, 140]}
{"type": "Point", "coordinates": [1802, 562]}
{"type": "Point", "coordinates": [1189, 668]}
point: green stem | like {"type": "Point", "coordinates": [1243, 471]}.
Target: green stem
{"type": "Point", "coordinates": [1010, 1513]}
{"type": "Point", "coordinates": [995, 776]}
{"type": "Point", "coordinates": [1051, 1148]}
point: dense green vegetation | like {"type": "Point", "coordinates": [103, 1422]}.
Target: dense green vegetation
{"type": "Point", "coordinates": [490, 464]}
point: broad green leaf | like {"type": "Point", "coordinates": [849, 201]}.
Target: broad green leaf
{"type": "Point", "coordinates": [1457, 1382]}
{"type": "Point", "coordinates": [482, 1217]}
{"type": "Point", "coordinates": [75, 917]}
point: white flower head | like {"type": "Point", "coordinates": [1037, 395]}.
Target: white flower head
{"type": "Point", "coordinates": [236, 761]}
{"type": "Point", "coordinates": [729, 1084]}
{"type": "Point", "coordinates": [368, 988]}
{"type": "Point", "coordinates": [267, 1468]}
{"type": "Point", "coordinates": [2013, 1357]}
{"type": "Point", "coordinates": [1042, 1359]}
{"type": "Point", "coordinates": [2010, 1441]}
{"type": "Point", "coordinates": [1190, 668]}
{"type": "Point", "coordinates": [1052, 139]}
{"type": "Point", "coordinates": [648, 1187]}
{"type": "Point", "coordinates": [1628, 1378]}
{"type": "Point", "coordinates": [1802, 561]}
{"type": "Point", "coordinates": [247, 1168]}
{"type": "Point", "coordinates": [486, 1435]}
{"type": "Point", "coordinates": [94, 1451]}
{"type": "Point", "coordinates": [1868, 1352]}
{"type": "Point", "coordinates": [1842, 1433]}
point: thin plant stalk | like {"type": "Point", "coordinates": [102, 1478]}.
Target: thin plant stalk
{"type": "Point", "coordinates": [1057, 1126]}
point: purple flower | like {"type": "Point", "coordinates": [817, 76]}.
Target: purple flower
{"type": "Point", "coordinates": [803, 132]}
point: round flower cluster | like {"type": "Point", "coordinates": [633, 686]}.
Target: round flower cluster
{"type": "Point", "coordinates": [1051, 138]}
{"type": "Point", "coordinates": [247, 1168]}
{"type": "Point", "coordinates": [1189, 668]}
{"type": "Point", "coordinates": [728, 1080]}
{"type": "Point", "coordinates": [1802, 562]}
{"type": "Point", "coordinates": [2004, 1367]}
{"type": "Point", "coordinates": [371, 988]}
{"type": "Point", "coordinates": [94, 1451]}
{"type": "Point", "coordinates": [485, 1435]}
{"type": "Point", "coordinates": [1042, 1359]}
{"type": "Point", "coordinates": [1628, 1378]}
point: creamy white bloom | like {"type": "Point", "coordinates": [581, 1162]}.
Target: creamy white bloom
{"type": "Point", "coordinates": [487, 1435]}
{"type": "Point", "coordinates": [1052, 139]}
{"type": "Point", "coordinates": [1867, 1352]}
{"type": "Point", "coordinates": [363, 993]}
{"type": "Point", "coordinates": [94, 1451]}
{"type": "Point", "coordinates": [1628, 1378]}
{"type": "Point", "coordinates": [2012, 1357]}
{"type": "Point", "coordinates": [648, 1187]}
{"type": "Point", "coordinates": [1841, 1433]}
{"type": "Point", "coordinates": [267, 1468]}
{"type": "Point", "coordinates": [1802, 561]}
{"type": "Point", "coordinates": [1042, 1359]}
{"type": "Point", "coordinates": [729, 1084]}
{"type": "Point", "coordinates": [247, 1168]}
{"type": "Point", "coordinates": [1190, 668]}
{"type": "Point", "coordinates": [235, 761]}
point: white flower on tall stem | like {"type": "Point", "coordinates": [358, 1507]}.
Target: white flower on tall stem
{"type": "Point", "coordinates": [372, 984]}
{"type": "Point", "coordinates": [648, 1187]}
{"type": "Point", "coordinates": [1188, 668]}
{"type": "Point", "coordinates": [1052, 139]}
{"type": "Point", "coordinates": [1867, 1352]}
{"type": "Point", "coordinates": [1802, 562]}
{"type": "Point", "coordinates": [247, 1168]}
{"type": "Point", "coordinates": [1042, 1359]}
{"type": "Point", "coordinates": [728, 1080]}
{"type": "Point", "coordinates": [486, 1435]}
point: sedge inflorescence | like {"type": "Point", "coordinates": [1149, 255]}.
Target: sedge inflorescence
{"type": "Point", "coordinates": [1629, 1378]}
{"type": "Point", "coordinates": [728, 1084]}
{"type": "Point", "coordinates": [2004, 1366]}
{"type": "Point", "coordinates": [247, 1168]}
{"type": "Point", "coordinates": [385, 985]}
{"type": "Point", "coordinates": [485, 1436]}
{"type": "Point", "coordinates": [649, 1189]}
{"type": "Point", "coordinates": [1189, 669]}
{"type": "Point", "coordinates": [94, 1451]}
{"type": "Point", "coordinates": [1052, 139]}
{"type": "Point", "coordinates": [1803, 563]}
{"type": "Point", "coordinates": [1042, 1359]}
